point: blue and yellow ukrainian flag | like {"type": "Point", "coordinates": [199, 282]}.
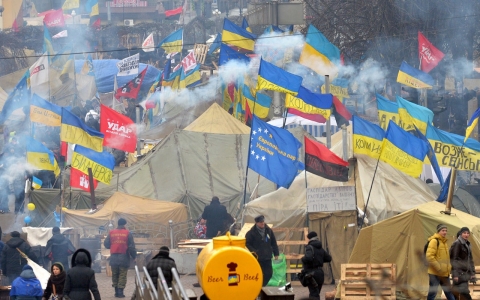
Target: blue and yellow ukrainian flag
{"type": "Point", "coordinates": [40, 157]}
{"type": "Point", "coordinates": [227, 54]}
{"type": "Point", "coordinates": [101, 163]}
{"type": "Point", "coordinates": [367, 137]}
{"type": "Point", "coordinates": [91, 7]}
{"type": "Point", "coordinates": [47, 41]}
{"type": "Point", "coordinates": [412, 77]}
{"type": "Point", "coordinates": [245, 25]}
{"type": "Point", "coordinates": [273, 29]}
{"type": "Point", "coordinates": [271, 77]}
{"type": "Point", "coordinates": [36, 183]}
{"type": "Point", "coordinates": [472, 123]}
{"type": "Point", "coordinates": [387, 110]}
{"type": "Point", "coordinates": [174, 80]}
{"type": "Point", "coordinates": [319, 54]}
{"type": "Point", "coordinates": [259, 105]}
{"type": "Point", "coordinates": [447, 146]}
{"type": "Point", "coordinates": [44, 112]}
{"type": "Point", "coordinates": [74, 131]}
{"type": "Point", "coordinates": [338, 88]}
{"type": "Point", "coordinates": [403, 150]}
{"type": "Point", "coordinates": [412, 115]}
{"type": "Point", "coordinates": [191, 78]}
{"type": "Point", "coordinates": [310, 103]}
{"type": "Point", "coordinates": [237, 36]}
{"type": "Point", "coordinates": [173, 42]}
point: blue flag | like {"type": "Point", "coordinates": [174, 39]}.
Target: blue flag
{"type": "Point", "coordinates": [431, 156]}
{"type": "Point", "coordinates": [18, 98]}
{"type": "Point", "coordinates": [444, 191]}
{"type": "Point", "coordinates": [216, 44]}
{"type": "Point", "coordinates": [273, 153]}
{"type": "Point", "coordinates": [227, 53]}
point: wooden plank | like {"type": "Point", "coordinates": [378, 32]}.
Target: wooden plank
{"type": "Point", "coordinates": [354, 285]}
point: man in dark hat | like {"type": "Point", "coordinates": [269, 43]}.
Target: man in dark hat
{"type": "Point", "coordinates": [11, 260]}
{"type": "Point", "coordinates": [439, 263]}
{"type": "Point", "coordinates": [215, 214]}
{"type": "Point", "coordinates": [463, 268]}
{"type": "Point", "coordinates": [261, 241]}
{"type": "Point", "coordinates": [163, 261]}
{"type": "Point", "coordinates": [122, 247]}
{"type": "Point", "coordinates": [59, 248]}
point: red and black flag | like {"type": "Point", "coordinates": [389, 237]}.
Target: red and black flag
{"type": "Point", "coordinates": [320, 161]}
{"type": "Point", "coordinates": [174, 14]}
{"type": "Point", "coordinates": [131, 88]}
{"type": "Point", "coordinates": [340, 112]}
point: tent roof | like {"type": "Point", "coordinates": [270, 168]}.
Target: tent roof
{"type": "Point", "coordinates": [462, 200]}
{"type": "Point", "coordinates": [216, 120]}
{"type": "Point", "coordinates": [401, 239]}
{"type": "Point", "coordinates": [132, 208]}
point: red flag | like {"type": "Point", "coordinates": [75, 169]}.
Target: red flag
{"type": "Point", "coordinates": [96, 24]}
{"type": "Point", "coordinates": [131, 89]}
{"type": "Point", "coordinates": [15, 26]}
{"type": "Point", "coordinates": [63, 148]}
{"type": "Point", "coordinates": [54, 19]}
{"type": "Point", "coordinates": [427, 53]}
{"type": "Point", "coordinates": [320, 161]}
{"type": "Point", "coordinates": [340, 112]}
{"type": "Point", "coordinates": [173, 12]}
{"type": "Point", "coordinates": [119, 130]}
{"type": "Point", "coordinates": [312, 117]}
{"type": "Point", "coordinates": [80, 180]}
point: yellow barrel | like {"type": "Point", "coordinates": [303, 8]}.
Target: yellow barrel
{"type": "Point", "coordinates": [227, 270]}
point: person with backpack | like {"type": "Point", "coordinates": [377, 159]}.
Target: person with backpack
{"type": "Point", "coordinates": [312, 262]}
{"type": "Point", "coordinates": [463, 268]}
{"type": "Point", "coordinates": [439, 267]}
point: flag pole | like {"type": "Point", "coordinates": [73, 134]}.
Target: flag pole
{"type": "Point", "coordinates": [369, 192]}
{"type": "Point", "coordinates": [329, 133]}
{"type": "Point", "coordinates": [248, 160]}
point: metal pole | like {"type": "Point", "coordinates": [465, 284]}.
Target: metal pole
{"type": "Point", "coordinates": [329, 134]}
{"type": "Point", "coordinates": [345, 142]}
{"type": "Point", "coordinates": [92, 189]}
{"type": "Point", "coordinates": [451, 188]}
{"type": "Point", "coordinates": [170, 227]}
{"type": "Point", "coordinates": [109, 13]}
{"type": "Point", "coordinates": [137, 117]}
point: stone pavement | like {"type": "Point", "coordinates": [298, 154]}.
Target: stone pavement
{"type": "Point", "coordinates": [107, 293]}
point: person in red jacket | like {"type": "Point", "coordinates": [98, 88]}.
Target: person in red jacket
{"type": "Point", "coordinates": [122, 247]}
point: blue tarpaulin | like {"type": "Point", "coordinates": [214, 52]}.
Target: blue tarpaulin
{"type": "Point", "coordinates": [106, 69]}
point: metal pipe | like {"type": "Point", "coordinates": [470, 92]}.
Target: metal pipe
{"type": "Point", "coordinates": [329, 133]}
{"type": "Point", "coordinates": [170, 227]}
{"type": "Point", "coordinates": [137, 119]}
{"type": "Point", "coordinates": [92, 189]}
{"type": "Point", "coordinates": [345, 142]}
{"type": "Point", "coordinates": [451, 188]}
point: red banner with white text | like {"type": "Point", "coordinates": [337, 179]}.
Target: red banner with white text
{"type": "Point", "coordinates": [119, 130]}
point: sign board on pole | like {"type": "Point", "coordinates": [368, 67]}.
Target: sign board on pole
{"type": "Point", "coordinates": [329, 199]}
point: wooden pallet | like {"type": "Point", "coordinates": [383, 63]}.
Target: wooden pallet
{"type": "Point", "coordinates": [367, 281]}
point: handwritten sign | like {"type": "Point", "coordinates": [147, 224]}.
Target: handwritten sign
{"type": "Point", "coordinates": [329, 199]}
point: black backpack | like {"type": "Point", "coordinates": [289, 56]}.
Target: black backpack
{"type": "Point", "coordinates": [425, 261]}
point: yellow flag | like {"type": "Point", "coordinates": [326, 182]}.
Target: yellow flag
{"type": "Point", "coordinates": [71, 4]}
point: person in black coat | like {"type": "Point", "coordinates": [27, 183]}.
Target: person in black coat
{"type": "Point", "coordinates": [313, 261]}
{"type": "Point", "coordinates": [215, 214]}
{"type": "Point", "coordinates": [261, 241]}
{"type": "Point", "coordinates": [81, 278]}
{"type": "Point", "coordinates": [463, 267]}
{"type": "Point", "coordinates": [56, 282]}
{"type": "Point", "coordinates": [163, 261]}
{"type": "Point", "coordinates": [11, 260]}
{"type": "Point", "coordinates": [59, 248]}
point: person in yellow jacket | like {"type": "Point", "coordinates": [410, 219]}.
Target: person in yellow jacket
{"type": "Point", "coordinates": [439, 266]}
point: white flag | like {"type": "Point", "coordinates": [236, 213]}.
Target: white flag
{"type": "Point", "coordinates": [61, 34]}
{"type": "Point", "coordinates": [148, 44]}
{"type": "Point", "coordinates": [39, 71]}
{"type": "Point", "coordinates": [128, 66]}
{"type": "Point", "coordinates": [189, 62]}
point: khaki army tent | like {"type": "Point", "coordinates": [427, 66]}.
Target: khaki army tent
{"type": "Point", "coordinates": [401, 239]}
{"type": "Point", "coordinates": [136, 210]}
{"type": "Point", "coordinates": [216, 120]}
